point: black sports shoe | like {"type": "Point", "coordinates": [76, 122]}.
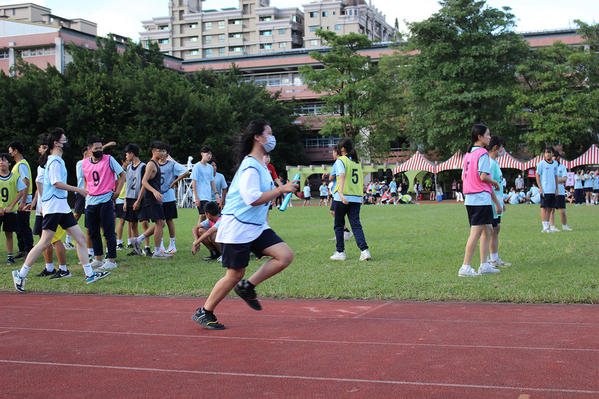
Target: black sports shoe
{"type": "Point", "coordinates": [211, 257]}
{"type": "Point", "coordinates": [21, 255]}
{"type": "Point", "coordinates": [147, 252]}
{"type": "Point", "coordinates": [207, 320]}
{"type": "Point", "coordinates": [119, 247]}
{"type": "Point", "coordinates": [129, 246]}
{"type": "Point", "coordinates": [46, 273]}
{"type": "Point", "coordinates": [132, 253]}
{"type": "Point", "coordinates": [61, 274]}
{"type": "Point", "coordinates": [248, 294]}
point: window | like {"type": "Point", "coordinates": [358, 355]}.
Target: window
{"type": "Point", "coordinates": [208, 39]}
{"type": "Point", "coordinates": [3, 55]}
{"type": "Point", "coordinates": [209, 52]}
{"type": "Point", "coordinates": [325, 13]}
{"type": "Point", "coordinates": [337, 27]}
{"type": "Point", "coordinates": [235, 35]}
{"type": "Point", "coordinates": [313, 28]}
{"type": "Point", "coordinates": [350, 12]}
{"type": "Point", "coordinates": [236, 49]}
{"type": "Point", "coordinates": [313, 14]}
{"type": "Point", "coordinates": [235, 22]}
{"type": "Point", "coordinates": [282, 31]}
{"type": "Point", "coordinates": [295, 33]}
{"type": "Point", "coordinates": [163, 27]}
{"type": "Point", "coordinates": [265, 19]}
{"type": "Point", "coordinates": [194, 52]}
{"type": "Point", "coordinates": [297, 19]}
{"type": "Point", "coordinates": [208, 26]}
{"type": "Point", "coordinates": [194, 39]}
{"type": "Point", "coordinates": [266, 46]}
{"type": "Point", "coordinates": [221, 38]}
{"type": "Point", "coordinates": [193, 26]}
{"type": "Point", "coordinates": [221, 24]}
{"type": "Point", "coordinates": [313, 42]}
{"type": "Point", "coordinates": [328, 28]}
{"type": "Point", "coordinates": [222, 51]}
{"type": "Point", "coordinates": [282, 45]}
{"type": "Point", "coordinates": [334, 12]}
{"type": "Point", "coordinates": [265, 33]}
{"type": "Point", "coordinates": [163, 41]}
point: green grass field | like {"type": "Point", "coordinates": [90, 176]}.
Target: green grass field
{"type": "Point", "coordinates": [416, 253]}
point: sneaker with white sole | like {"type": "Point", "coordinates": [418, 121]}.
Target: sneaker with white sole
{"type": "Point", "coordinates": [96, 263]}
{"type": "Point", "coordinates": [148, 252]}
{"type": "Point", "coordinates": [487, 269]}
{"type": "Point", "coordinates": [96, 276]}
{"type": "Point", "coordinates": [61, 274]}
{"type": "Point", "coordinates": [338, 256]}
{"type": "Point", "coordinates": [554, 229]}
{"type": "Point", "coordinates": [107, 266]}
{"type": "Point", "coordinates": [546, 231]}
{"type": "Point", "coordinates": [18, 281]}
{"type": "Point", "coordinates": [69, 246]}
{"type": "Point", "coordinates": [499, 263]}
{"type": "Point", "coordinates": [161, 255]}
{"type": "Point", "coordinates": [365, 255]}
{"type": "Point", "coordinates": [220, 259]}
{"type": "Point", "coordinates": [347, 235]}
{"type": "Point", "coordinates": [171, 251]}
{"type": "Point", "coordinates": [566, 228]}
{"type": "Point", "coordinates": [467, 271]}
{"type": "Point", "coordinates": [136, 242]}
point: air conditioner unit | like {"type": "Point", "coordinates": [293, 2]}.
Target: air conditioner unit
{"type": "Point", "coordinates": [12, 44]}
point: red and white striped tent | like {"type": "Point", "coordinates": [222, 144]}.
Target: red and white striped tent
{"type": "Point", "coordinates": [416, 162]}
{"type": "Point", "coordinates": [591, 157]}
{"type": "Point", "coordinates": [455, 162]}
{"type": "Point", "coordinates": [509, 162]}
{"type": "Point", "coordinates": [567, 164]}
{"type": "Point", "coordinates": [533, 162]}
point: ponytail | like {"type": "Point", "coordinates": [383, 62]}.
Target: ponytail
{"type": "Point", "coordinates": [477, 130]}
{"type": "Point", "coordinates": [53, 137]}
{"type": "Point", "coordinates": [346, 143]}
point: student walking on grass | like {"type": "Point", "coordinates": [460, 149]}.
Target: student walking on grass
{"type": "Point", "coordinates": [560, 200]}
{"type": "Point", "coordinates": [244, 227]}
{"type": "Point", "coordinates": [57, 212]}
{"type": "Point", "coordinates": [496, 149]}
{"type": "Point", "coordinates": [547, 182]}
{"type": "Point", "coordinates": [347, 196]}
{"type": "Point", "coordinates": [478, 188]}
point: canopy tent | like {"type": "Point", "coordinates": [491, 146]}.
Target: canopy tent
{"type": "Point", "coordinates": [416, 162]}
{"type": "Point", "coordinates": [591, 157]}
{"type": "Point", "coordinates": [533, 162]}
{"type": "Point", "coordinates": [455, 162]}
{"type": "Point", "coordinates": [509, 162]}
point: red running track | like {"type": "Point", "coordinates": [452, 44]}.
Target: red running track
{"type": "Point", "coordinates": [74, 346]}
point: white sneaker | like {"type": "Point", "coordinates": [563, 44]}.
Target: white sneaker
{"type": "Point", "coordinates": [546, 231]}
{"type": "Point", "coordinates": [467, 271]}
{"type": "Point", "coordinates": [365, 255]}
{"type": "Point", "coordinates": [108, 265]}
{"type": "Point", "coordinates": [96, 263]}
{"type": "Point", "coordinates": [554, 229]}
{"type": "Point", "coordinates": [161, 255]}
{"type": "Point", "coordinates": [171, 251]}
{"type": "Point", "coordinates": [500, 263]}
{"type": "Point", "coordinates": [220, 259]}
{"type": "Point", "coordinates": [347, 235]}
{"type": "Point", "coordinates": [338, 256]}
{"type": "Point", "coordinates": [487, 269]}
{"type": "Point", "coordinates": [566, 228]}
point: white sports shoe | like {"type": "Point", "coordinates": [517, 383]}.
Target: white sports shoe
{"type": "Point", "coordinates": [347, 235]}
{"type": "Point", "coordinates": [500, 263]}
{"type": "Point", "coordinates": [467, 271]}
{"type": "Point", "coordinates": [546, 231]}
{"type": "Point", "coordinates": [96, 263]}
{"type": "Point", "coordinates": [566, 228]}
{"type": "Point", "coordinates": [554, 229]}
{"type": "Point", "coordinates": [220, 259]}
{"type": "Point", "coordinates": [338, 256]}
{"type": "Point", "coordinates": [365, 255]}
{"type": "Point", "coordinates": [171, 251]}
{"type": "Point", "coordinates": [108, 265]}
{"type": "Point", "coordinates": [487, 269]}
{"type": "Point", "coordinates": [161, 255]}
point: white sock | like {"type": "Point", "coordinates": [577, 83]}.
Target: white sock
{"type": "Point", "coordinates": [545, 225]}
{"type": "Point", "coordinates": [142, 237]}
{"type": "Point", "coordinates": [63, 267]}
{"type": "Point", "coordinates": [119, 242]}
{"type": "Point", "coordinates": [564, 226]}
{"type": "Point", "coordinates": [24, 270]}
{"type": "Point", "coordinates": [157, 249]}
{"type": "Point", "coordinates": [68, 240]}
{"type": "Point", "coordinates": [49, 267]}
{"type": "Point", "coordinates": [128, 241]}
{"type": "Point", "coordinates": [172, 244]}
{"type": "Point", "coordinates": [90, 251]}
{"type": "Point", "coordinates": [162, 244]}
{"type": "Point", "coordinates": [494, 257]}
{"type": "Point", "coordinates": [88, 270]}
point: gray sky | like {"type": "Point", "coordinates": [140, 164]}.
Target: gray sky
{"type": "Point", "coordinates": [124, 17]}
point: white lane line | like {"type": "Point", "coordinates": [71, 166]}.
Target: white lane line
{"type": "Point", "coordinates": [299, 377]}
{"type": "Point", "coordinates": [309, 341]}
{"type": "Point", "coordinates": [373, 309]}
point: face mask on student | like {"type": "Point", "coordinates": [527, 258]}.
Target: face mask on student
{"type": "Point", "coordinates": [271, 143]}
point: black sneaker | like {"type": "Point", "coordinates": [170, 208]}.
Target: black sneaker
{"type": "Point", "coordinates": [207, 320]}
{"type": "Point", "coordinates": [46, 273]}
{"type": "Point", "coordinates": [120, 247]}
{"type": "Point", "coordinates": [211, 257]}
{"type": "Point", "coordinates": [21, 255]}
{"type": "Point", "coordinates": [11, 261]}
{"type": "Point", "coordinates": [129, 246]}
{"type": "Point", "coordinates": [132, 253]}
{"type": "Point", "coordinates": [61, 274]}
{"type": "Point", "coordinates": [248, 294]}
{"type": "Point", "coordinates": [147, 252]}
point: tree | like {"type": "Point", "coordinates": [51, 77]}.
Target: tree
{"type": "Point", "coordinates": [463, 74]}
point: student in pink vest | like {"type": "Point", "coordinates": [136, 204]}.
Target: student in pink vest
{"type": "Point", "coordinates": [100, 172]}
{"type": "Point", "coordinates": [478, 188]}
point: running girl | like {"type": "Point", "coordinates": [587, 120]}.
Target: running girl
{"type": "Point", "coordinates": [244, 228]}
{"type": "Point", "coordinates": [478, 187]}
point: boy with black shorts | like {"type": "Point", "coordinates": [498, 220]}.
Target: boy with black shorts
{"type": "Point", "coordinates": [11, 191]}
{"type": "Point", "coordinates": [22, 170]}
{"type": "Point", "coordinates": [202, 182]}
{"type": "Point", "coordinates": [134, 208]}
{"type": "Point", "coordinates": [119, 212]}
{"type": "Point", "coordinates": [547, 182]}
{"type": "Point", "coordinates": [560, 200]}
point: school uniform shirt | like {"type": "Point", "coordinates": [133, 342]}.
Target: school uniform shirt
{"type": "Point", "coordinates": [482, 198]}
{"type": "Point", "coordinates": [307, 191]}
{"type": "Point", "coordinates": [514, 198]}
{"type": "Point", "coordinates": [323, 191]}
{"type": "Point", "coordinates": [588, 181]}
{"type": "Point", "coordinates": [497, 175]}
{"type": "Point", "coordinates": [341, 170]}
{"type": "Point", "coordinates": [577, 182]}
{"type": "Point", "coordinates": [203, 175]}
{"type": "Point", "coordinates": [209, 223]}
{"type": "Point", "coordinates": [596, 183]}
{"type": "Point", "coordinates": [393, 187]}
{"type": "Point", "coordinates": [169, 172]}
{"type": "Point", "coordinates": [221, 184]}
{"type": "Point", "coordinates": [547, 173]}
{"type": "Point", "coordinates": [562, 172]}
{"type": "Point", "coordinates": [54, 200]}
{"type": "Point", "coordinates": [533, 191]}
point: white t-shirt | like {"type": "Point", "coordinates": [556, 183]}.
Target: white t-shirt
{"type": "Point", "coordinates": [55, 205]}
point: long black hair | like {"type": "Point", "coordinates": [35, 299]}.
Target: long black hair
{"type": "Point", "coordinates": [477, 130]}
{"type": "Point", "coordinates": [53, 136]}
{"type": "Point", "coordinates": [496, 141]}
{"type": "Point", "coordinates": [246, 139]}
{"type": "Point", "coordinates": [346, 143]}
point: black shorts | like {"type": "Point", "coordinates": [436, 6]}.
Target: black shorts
{"type": "Point", "coordinates": [596, 191]}
{"type": "Point", "coordinates": [37, 225]}
{"type": "Point", "coordinates": [201, 207]}
{"type": "Point", "coordinates": [323, 197]}
{"type": "Point", "coordinates": [307, 198]}
{"type": "Point", "coordinates": [170, 210]}
{"type": "Point", "coordinates": [480, 214]}
{"type": "Point", "coordinates": [118, 211]}
{"type": "Point", "coordinates": [496, 222]}
{"type": "Point", "coordinates": [333, 206]}
{"type": "Point", "coordinates": [547, 200]}
{"type": "Point", "coordinates": [236, 256]}
{"type": "Point", "coordinates": [155, 212]}
{"type": "Point", "coordinates": [588, 189]}
{"type": "Point", "coordinates": [9, 222]}
{"type": "Point", "coordinates": [560, 202]}
{"type": "Point", "coordinates": [394, 195]}
{"type": "Point", "coordinates": [138, 215]}
{"type": "Point", "coordinates": [79, 204]}
{"type": "Point", "coordinates": [53, 220]}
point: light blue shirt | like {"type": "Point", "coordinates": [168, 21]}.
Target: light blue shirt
{"type": "Point", "coordinates": [588, 181]}
{"type": "Point", "coordinates": [206, 224]}
{"type": "Point", "coordinates": [483, 198]}
{"type": "Point", "coordinates": [596, 183]}
{"type": "Point", "coordinates": [324, 190]}
{"type": "Point", "coordinates": [350, 198]}
{"type": "Point", "coordinates": [547, 173]}
{"type": "Point", "coordinates": [203, 175]}
{"type": "Point", "coordinates": [24, 174]}
{"type": "Point", "coordinates": [514, 198]}
{"type": "Point", "coordinates": [100, 199]}
{"type": "Point", "coordinates": [178, 170]}
{"type": "Point", "coordinates": [577, 182]}
{"type": "Point", "coordinates": [562, 171]}
{"type": "Point", "coordinates": [221, 184]}
{"type": "Point", "coordinates": [79, 171]}
{"type": "Point", "coordinates": [393, 187]}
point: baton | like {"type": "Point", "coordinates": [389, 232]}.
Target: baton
{"type": "Point", "coordinates": [288, 196]}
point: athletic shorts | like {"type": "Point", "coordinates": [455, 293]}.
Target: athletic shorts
{"type": "Point", "coordinates": [9, 222]}
{"type": "Point", "coordinates": [170, 210]}
{"type": "Point", "coordinates": [79, 204]}
{"type": "Point", "coordinates": [480, 214]}
{"type": "Point", "coordinates": [548, 200]}
{"type": "Point", "coordinates": [333, 206]}
{"type": "Point", "coordinates": [588, 189]}
{"type": "Point", "coordinates": [236, 256]}
{"type": "Point", "coordinates": [37, 225]}
{"type": "Point", "coordinates": [323, 197]}
{"type": "Point", "coordinates": [496, 222]}
{"type": "Point", "coordinates": [135, 216]}
{"type": "Point", "coordinates": [155, 212]}
{"type": "Point", "coordinates": [201, 207]}
{"type": "Point", "coordinates": [596, 191]}
{"type": "Point", "coordinates": [307, 198]}
{"type": "Point", "coordinates": [118, 211]}
{"type": "Point", "coordinates": [560, 202]}
{"type": "Point", "coordinates": [53, 220]}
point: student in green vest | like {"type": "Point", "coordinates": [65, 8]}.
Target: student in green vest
{"type": "Point", "coordinates": [347, 195]}
{"type": "Point", "coordinates": [11, 187]}
{"type": "Point", "coordinates": [22, 171]}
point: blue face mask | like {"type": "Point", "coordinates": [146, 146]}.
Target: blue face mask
{"type": "Point", "coordinates": [271, 143]}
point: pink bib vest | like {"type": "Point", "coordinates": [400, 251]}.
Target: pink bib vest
{"type": "Point", "coordinates": [472, 182]}
{"type": "Point", "coordinates": [99, 176]}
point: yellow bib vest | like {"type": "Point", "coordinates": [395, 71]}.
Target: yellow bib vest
{"type": "Point", "coordinates": [353, 178]}
{"type": "Point", "coordinates": [8, 191]}
{"type": "Point", "coordinates": [15, 170]}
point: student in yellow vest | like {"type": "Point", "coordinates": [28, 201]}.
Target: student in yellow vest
{"type": "Point", "coordinates": [11, 187]}
{"type": "Point", "coordinates": [23, 171]}
{"type": "Point", "coordinates": [347, 195]}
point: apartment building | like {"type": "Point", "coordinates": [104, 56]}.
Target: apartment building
{"type": "Point", "coordinates": [30, 12]}
{"type": "Point", "coordinates": [191, 32]}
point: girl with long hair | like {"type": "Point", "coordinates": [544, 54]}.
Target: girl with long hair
{"type": "Point", "coordinates": [478, 188]}
{"type": "Point", "coordinates": [244, 227]}
{"type": "Point", "coordinates": [56, 211]}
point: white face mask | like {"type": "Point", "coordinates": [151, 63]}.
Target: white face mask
{"type": "Point", "coordinates": [501, 153]}
{"type": "Point", "coordinates": [271, 143]}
